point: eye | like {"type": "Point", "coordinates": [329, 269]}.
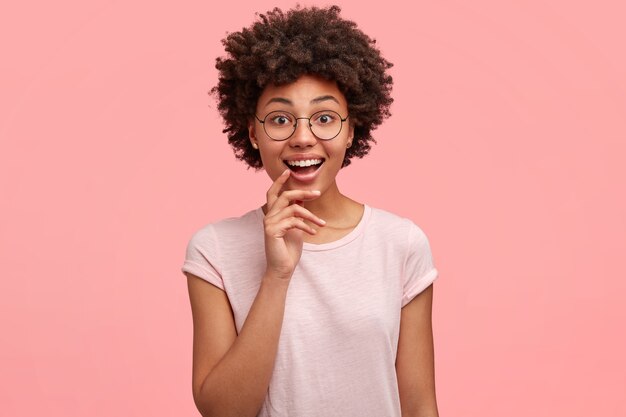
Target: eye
{"type": "Point", "coordinates": [325, 118]}
{"type": "Point", "coordinates": [280, 119]}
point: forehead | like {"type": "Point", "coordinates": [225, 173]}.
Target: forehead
{"type": "Point", "coordinates": [306, 91]}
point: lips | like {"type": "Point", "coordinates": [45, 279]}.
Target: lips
{"type": "Point", "coordinates": [304, 169]}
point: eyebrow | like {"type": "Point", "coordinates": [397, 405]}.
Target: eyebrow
{"type": "Point", "coordinates": [324, 98]}
{"type": "Point", "coordinates": [316, 100]}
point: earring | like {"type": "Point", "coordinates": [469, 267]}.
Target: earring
{"type": "Point", "coordinates": [254, 145]}
{"type": "Point", "coordinates": [349, 144]}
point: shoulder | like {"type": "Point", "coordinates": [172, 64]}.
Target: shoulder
{"type": "Point", "coordinates": [225, 230]}
{"type": "Point", "coordinates": [397, 233]}
{"type": "Point", "coordinates": [212, 246]}
{"type": "Point", "coordinates": [228, 226]}
{"type": "Point", "coordinates": [394, 224]}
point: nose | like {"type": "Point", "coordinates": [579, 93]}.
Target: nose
{"type": "Point", "coordinates": [302, 137]}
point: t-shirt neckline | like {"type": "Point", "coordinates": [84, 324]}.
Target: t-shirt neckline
{"type": "Point", "coordinates": [344, 240]}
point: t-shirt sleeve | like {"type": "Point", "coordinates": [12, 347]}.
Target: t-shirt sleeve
{"type": "Point", "coordinates": [419, 270]}
{"type": "Point", "coordinates": [202, 257]}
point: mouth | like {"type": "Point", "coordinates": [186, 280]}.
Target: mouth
{"type": "Point", "coordinates": [304, 167]}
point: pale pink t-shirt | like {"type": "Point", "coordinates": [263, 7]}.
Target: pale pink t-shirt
{"type": "Point", "coordinates": [337, 349]}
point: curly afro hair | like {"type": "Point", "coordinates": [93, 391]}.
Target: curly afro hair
{"type": "Point", "coordinates": [281, 47]}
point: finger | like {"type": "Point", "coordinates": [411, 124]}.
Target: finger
{"type": "Point", "coordinates": [287, 197]}
{"type": "Point", "coordinates": [280, 229]}
{"type": "Point", "coordinates": [295, 210]}
{"type": "Point", "coordinates": [274, 190]}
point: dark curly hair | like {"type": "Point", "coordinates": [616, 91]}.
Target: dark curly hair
{"type": "Point", "coordinates": [279, 49]}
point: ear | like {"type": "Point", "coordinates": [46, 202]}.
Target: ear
{"type": "Point", "coordinates": [350, 135]}
{"type": "Point", "coordinates": [252, 134]}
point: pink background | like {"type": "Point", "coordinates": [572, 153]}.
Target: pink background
{"type": "Point", "coordinates": [506, 145]}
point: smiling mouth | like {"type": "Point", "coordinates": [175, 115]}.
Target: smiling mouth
{"type": "Point", "coordinates": [304, 167]}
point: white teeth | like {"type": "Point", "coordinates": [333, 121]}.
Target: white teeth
{"type": "Point", "coordinates": [305, 163]}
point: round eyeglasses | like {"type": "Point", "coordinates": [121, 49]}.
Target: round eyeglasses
{"type": "Point", "coordinates": [281, 125]}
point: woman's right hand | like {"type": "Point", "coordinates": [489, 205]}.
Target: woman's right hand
{"type": "Point", "coordinates": [284, 226]}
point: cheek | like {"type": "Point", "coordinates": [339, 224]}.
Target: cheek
{"type": "Point", "coordinates": [271, 162]}
{"type": "Point", "coordinates": [337, 153]}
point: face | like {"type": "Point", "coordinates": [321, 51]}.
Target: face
{"type": "Point", "coordinates": [314, 162]}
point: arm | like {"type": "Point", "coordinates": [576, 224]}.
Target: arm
{"type": "Point", "coordinates": [231, 373]}
{"type": "Point", "coordinates": [415, 360]}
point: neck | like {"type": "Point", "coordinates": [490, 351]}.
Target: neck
{"type": "Point", "coordinates": [331, 204]}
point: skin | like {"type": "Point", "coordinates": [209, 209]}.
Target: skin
{"type": "Point", "coordinates": [231, 372]}
{"type": "Point", "coordinates": [340, 212]}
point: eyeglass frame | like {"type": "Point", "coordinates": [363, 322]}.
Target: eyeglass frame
{"type": "Point", "coordinates": [295, 125]}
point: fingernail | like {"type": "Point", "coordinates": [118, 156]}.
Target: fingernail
{"type": "Point", "coordinates": [316, 191]}
{"type": "Point", "coordinates": [285, 171]}
{"type": "Point", "coordinates": [323, 221]}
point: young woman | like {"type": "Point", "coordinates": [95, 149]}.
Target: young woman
{"type": "Point", "coordinates": [313, 304]}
